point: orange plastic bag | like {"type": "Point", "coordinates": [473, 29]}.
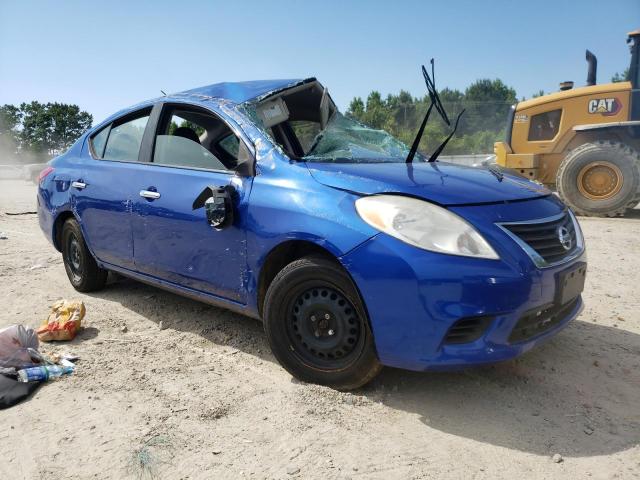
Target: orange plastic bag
{"type": "Point", "coordinates": [64, 321]}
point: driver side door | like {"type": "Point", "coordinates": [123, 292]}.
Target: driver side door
{"type": "Point", "coordinates": [174, 242]}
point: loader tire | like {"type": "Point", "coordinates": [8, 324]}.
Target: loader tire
{"type": "Point", "coordinates": [600, 179]}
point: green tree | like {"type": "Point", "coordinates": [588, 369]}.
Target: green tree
{"type": "Point", "coordinates": [375, 114]}
{"type": "Point", "coordinates": [69, 123]}
{"type": "Point", "coordinates": [51, 128]}
{"type": "Point", "coordinates": [487, 104]}
{"type": "Point", "coordinates": [621, 77]}
{"type": "Point", "coordinates": [356, 108]}
{"type": "Point", "coordinates": [10, 119]}
{"type": "Point", "coordinates": [173, 126]}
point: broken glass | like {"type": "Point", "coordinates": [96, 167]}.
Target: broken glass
{"type": "Point", "coordinates": [346, 140]}
{"type": "Point", "coordinates": [343, 140]}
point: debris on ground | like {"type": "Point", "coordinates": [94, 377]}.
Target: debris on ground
{"type": "Point", "coordinates": [64, 322]}
{"type": "Point", "coordinates": [22, 363]}
{"type": "Point", "coordinates": [59, 357]}
{"type": "Point", "coordinates": [13, 392]}
{"type": "Point", "coordinates": [44, 373]}
{"type": "Point", "coordinates": [557, 458]}
{"type": "Point", "coordinates": [3, 236]}
{"type": "Point", "coordinates": [18, 346]}
{"type": "Point", "coordinates": [39, 264]}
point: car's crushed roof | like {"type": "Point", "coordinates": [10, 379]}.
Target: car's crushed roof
{"type": "Point", "coordinates": [240, 92]}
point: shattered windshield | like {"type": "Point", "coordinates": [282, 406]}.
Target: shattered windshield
{"type": "Point", "coordinates": [344, 140]}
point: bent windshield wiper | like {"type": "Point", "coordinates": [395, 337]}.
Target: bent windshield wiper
{"type": "Point", "coordinates": [496, 173]}
{"type": "Point", "coordinates": [437, 103]}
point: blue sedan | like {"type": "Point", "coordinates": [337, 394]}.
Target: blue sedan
{"type": "Point", "coordinates": [261, 197]}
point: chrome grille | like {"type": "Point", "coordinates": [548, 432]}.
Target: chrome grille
{"type": "Point", "coordinates": [548, 241]}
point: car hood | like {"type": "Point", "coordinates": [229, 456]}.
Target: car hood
{"type": "Point", "coordinates": [440, 182]}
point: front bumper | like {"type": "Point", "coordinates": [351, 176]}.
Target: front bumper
{"type": "Point", "coordinates": [414, 297]}
{"type": "Point", "coordinates": [523, 164]}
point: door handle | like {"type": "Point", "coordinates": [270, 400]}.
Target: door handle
{"type": "Point", "coordinates": [149, 194]}
{"type": "Point", "coordinates": [79, 185]}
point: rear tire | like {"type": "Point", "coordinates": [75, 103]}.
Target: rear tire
{"type": "Point", "coordinates": [600, 179]}
{"type": "Point", "coordinates": [317, 326]}
{"type": "Point", "coordinates": [84, 273]}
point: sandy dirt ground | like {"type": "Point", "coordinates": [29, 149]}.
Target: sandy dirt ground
{"type": "Point", "coordinates": [192, 391]}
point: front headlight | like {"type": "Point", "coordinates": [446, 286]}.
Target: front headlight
{"type": "Point", "coordinates": [423, 225]}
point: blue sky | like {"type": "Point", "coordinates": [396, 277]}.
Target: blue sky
{"type": "Point", "coordinates": [108, 55]}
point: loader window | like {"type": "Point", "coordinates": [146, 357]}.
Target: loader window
{"type": "Point", "coordinates": [545, 126]}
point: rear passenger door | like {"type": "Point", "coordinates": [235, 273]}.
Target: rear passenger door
{"type": "Point", "coordinates": [192, 149]}
{"type": "Point", "coordinates": [106, 186]}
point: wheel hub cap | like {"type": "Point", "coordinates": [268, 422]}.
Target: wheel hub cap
{"type": "Point", "coordinates": [74, 259]}
{"type": "Point", "coordinates": [323, 326]}
{"type": "Point", "coordinates": [75, 255]}
{"type": "Point", "coordinates": [600, 180]}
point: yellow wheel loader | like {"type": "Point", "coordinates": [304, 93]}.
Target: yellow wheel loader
{"type": "Point", "coordinates": [583, 141]}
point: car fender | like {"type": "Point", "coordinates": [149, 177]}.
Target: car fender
{"type": "Point", "coordinates": [291, 206]}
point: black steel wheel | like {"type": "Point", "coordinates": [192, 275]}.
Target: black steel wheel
{"type": "Point", "coordinates": [74, 259]}
{"type": "Point", "coordinates": [84, 273]}
{"type": "Point", "coordinates": [317, 326]}
{"type": "Point", "coordinates": [325, 328]}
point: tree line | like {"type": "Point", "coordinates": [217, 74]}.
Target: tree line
{"type": "Point", "coordinates": [486, 104]}
{"type": "Point", "coordinates": [34, 132]}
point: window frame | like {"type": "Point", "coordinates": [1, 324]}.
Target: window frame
{"type": "Point", "coordinates": [92, 149]}
{"type": "Point", "coordinates": [546, 112]}
{"type": "Point", "coordinates": [161, 109]}
{"type": "Point", "coordinates": [142, 112]}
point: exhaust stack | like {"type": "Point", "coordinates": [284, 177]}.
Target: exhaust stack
{"type": "Point", "coordinates": [634, 73]}
{"type": "Point", "coordinates": [593, 68]}
{"type": "Point", "coordinates": [634, 68]}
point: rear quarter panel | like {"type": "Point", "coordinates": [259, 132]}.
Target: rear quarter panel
{"type": "Point", "coordinates": [55, 196]}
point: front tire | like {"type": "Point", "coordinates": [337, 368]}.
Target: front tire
{"type": "Point", "coordinates": [317, 326]}
{"type": "Point", "coordinates": [600, 179]}
{"type": "Point", "coordinates": [84, 273]}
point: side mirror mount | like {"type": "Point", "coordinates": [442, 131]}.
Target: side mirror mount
{"type": "Point", "coordinates": [246, 162]}
{"type": "Point", "coordinates": [218, 205]}
{"type": "Point", "coordinates": [246, 169]}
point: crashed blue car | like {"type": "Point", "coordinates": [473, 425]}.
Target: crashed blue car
{"type": "Point", "coordinates": [262, 198]}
